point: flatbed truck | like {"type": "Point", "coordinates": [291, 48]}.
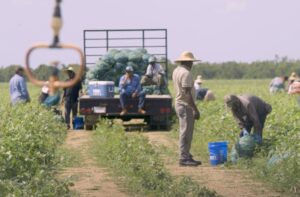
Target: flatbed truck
{"type": "Point", "coordinates": [158, 107]}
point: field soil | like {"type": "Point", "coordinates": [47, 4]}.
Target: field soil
{"type": "Point", "coordinates": [226, 182]}
{"type": "Point", "coordinates": [88, 179]}
{"type": "Point", "coordinates": [91, 180]}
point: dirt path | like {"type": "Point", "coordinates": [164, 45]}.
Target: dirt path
{"type": "Point", "coordinates": [89, 180]}
{"type": "Point", "coordinates": [227, 182]}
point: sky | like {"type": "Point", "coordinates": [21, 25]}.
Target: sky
{"type": "Point", "coordinates": [214, 30]}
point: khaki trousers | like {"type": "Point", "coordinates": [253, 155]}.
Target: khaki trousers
{"type": "Point", "coordinates": [186, 126]}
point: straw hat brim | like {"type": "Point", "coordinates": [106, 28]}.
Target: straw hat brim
{"type": "Point", "coordinates": [292, 78]}
{"type": "Point", "coordinates": [186, 60]}
{"type": "Point", "coordinates": [70, 69]}
{"type": "Point", "coordinates": [198, 81]}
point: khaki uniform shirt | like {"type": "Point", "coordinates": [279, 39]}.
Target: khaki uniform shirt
{"type": "Point", "coordinates": [182, 78]}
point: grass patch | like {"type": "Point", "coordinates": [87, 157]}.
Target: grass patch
{"type": "Point", "coordinates": [68, 157]}
{"type": "Point", "coordinates": [138, 163]}
{"type": "Point", "coordinates": [281, 133]}
{"type": "Point", "coordinates": [30, 136]}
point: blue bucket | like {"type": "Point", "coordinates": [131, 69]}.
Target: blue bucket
{"type": "Point", "coordinates": [217, 152]}
{"type": "Point", "coordinates": [78, 123]}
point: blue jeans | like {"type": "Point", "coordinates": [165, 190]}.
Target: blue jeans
{"type": "Point", "coordinates": [125, 96]}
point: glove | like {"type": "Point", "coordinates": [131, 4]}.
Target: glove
{"type": "Point", "coordinates": [244, 132]}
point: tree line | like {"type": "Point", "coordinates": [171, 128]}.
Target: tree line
{"type": "Point", "coordinates": [42, 72]}
{"type": "Point", "coordinates": [240, 70]}
{"type": "Point", "coordinates": [226, 70]}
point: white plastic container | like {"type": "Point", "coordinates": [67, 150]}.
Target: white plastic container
{"type": "Point", "coordinates": [101, 88]}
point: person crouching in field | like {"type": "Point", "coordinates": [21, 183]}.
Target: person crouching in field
{"type": "Point", "coordinates": [278, 84]}
{"type": "Point", "coordinates": [249, 111]}
{"type": "Point", "coordinates": [203, 93]}
{"type": "Point", "coordinates": [18, 88]}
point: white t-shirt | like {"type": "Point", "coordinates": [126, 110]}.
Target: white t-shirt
{"type": "Point", "coordinates": [154, 71]}
{"type": "Point", "coordinates": [197, 86]}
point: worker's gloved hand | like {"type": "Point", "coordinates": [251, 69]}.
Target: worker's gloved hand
{"type": "Point", "coordinates": [244, 132]}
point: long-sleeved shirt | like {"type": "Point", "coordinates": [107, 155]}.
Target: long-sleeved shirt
{"type": "Point", "coordinates": [71, 94]}
{"type": "Point", "coordinates": [18, 89]}
{"type": "Point", "coordinates": [130, 85]}
{"type": "Point", "coordinates": [252, 109]}
{"type": "Point", "coordinates": [277, 82]}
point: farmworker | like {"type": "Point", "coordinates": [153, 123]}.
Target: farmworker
{"type": "Point", "coordinates": [18, 88]}
{"type": "Point", "coordinates": [249, 111]}
{"type": "Point", "coordinates": [53, 97]}
{"type": "Point", "coordinates": [202, 93]}
{"type": "Point", "coordinates": [209, 96]}
{"type": "Point", "coordinates": [293, 78]}
{"type": "Point", "coordinates": [70, 97]}
{"type": "Point", "coordinates": [294, 87]}
{"type": "Point", "coordinates": [185, 106]}
{"type": "Point", "coordinates": [155, 74]}
{"type": "Point", "coordinates": [278, 84]}
{"type": "Point", "coordinates": [130, 88]}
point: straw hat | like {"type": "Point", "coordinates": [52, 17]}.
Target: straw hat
{"type": "Point", "coordinates": [199, 79]}
{"type": "Point", "coordinates": [186, 56]}
{"type": "Point", "coordinates": [292, 78]}
{"type": "Point", "coordinates": [293, 74]}
{"type": "Point", "coordinates": [70, 68]}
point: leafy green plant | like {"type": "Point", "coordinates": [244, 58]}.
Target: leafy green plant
{"type": "Point", "coordinates": [29, 138]}
{"type": "Point", "coordinates": [280, 137]}
{"type": "Point", "coordinates": [137, 162]}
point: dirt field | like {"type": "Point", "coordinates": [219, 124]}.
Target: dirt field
{"type": "Point", "coordinates": [227, 182]}
{"type": "Point", "coordinates": [89, 180]}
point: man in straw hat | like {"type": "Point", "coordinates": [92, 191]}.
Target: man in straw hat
{"type": "Point", "coordinates": [200, 92]}
{"type": "Point", "coordinates": [70, 96]}
{"type": "Point", "coordinates": [293, 78]}
{"type": "Point", "coordinates": [185, 106]}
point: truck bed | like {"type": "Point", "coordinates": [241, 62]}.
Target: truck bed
{"type": "Point", "coordinates": [154, 105]}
